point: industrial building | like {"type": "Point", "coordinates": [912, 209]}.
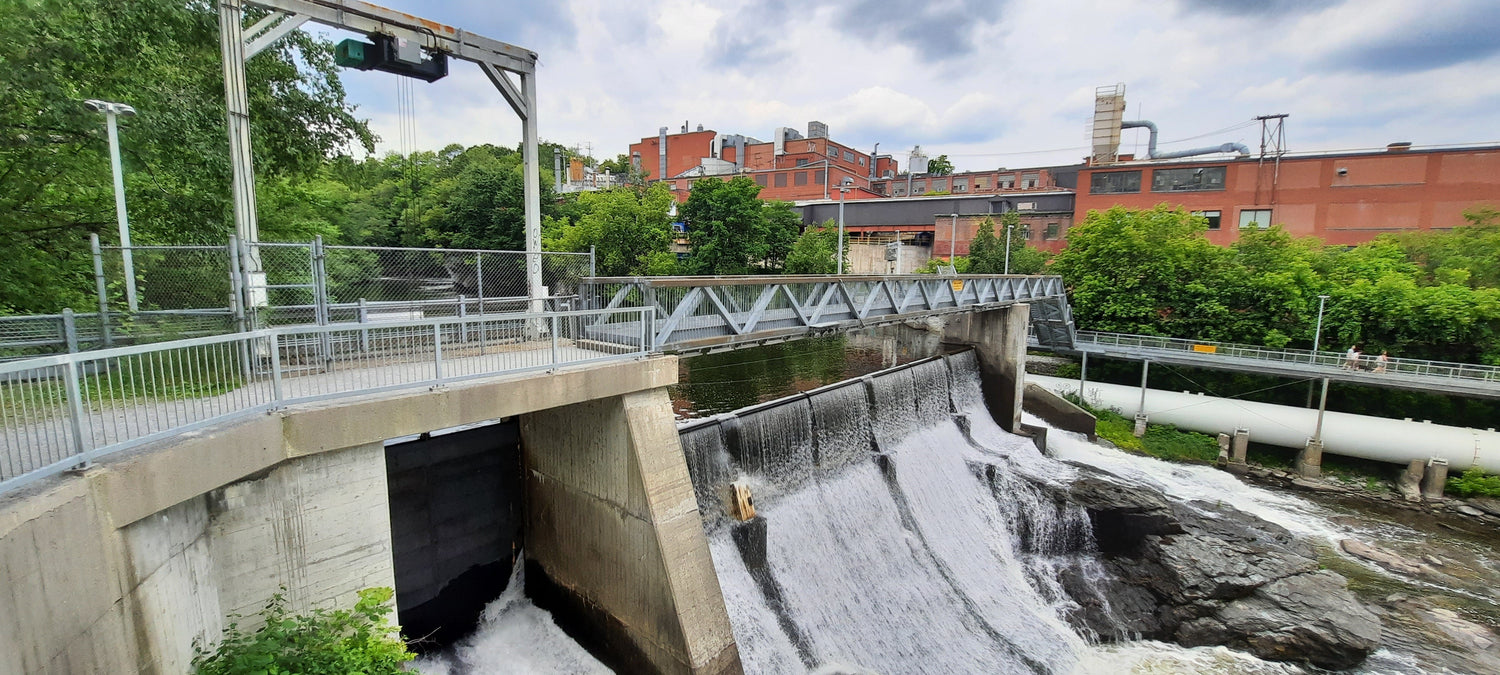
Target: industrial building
{"type": "Point", "coordinates": [1343, 198]}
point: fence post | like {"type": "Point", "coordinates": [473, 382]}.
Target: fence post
{"type": "Point", "coordinates": [437, 351]}
{"type": "Point", "coordinates": [320, 301]}
{"type": "Point", "coordinates": [237, 302]}
{"type": "Point", "coordinates": [70, 330]}
{"type": "Point", "coordinates": [463, 313]}
{"type": "Point", "coordinates": [364, 317]}
{"type": "Point", "coordinates": [276, 367]}
{"type": "Point", "coordinates": [479, 279]}
{"type": "Point", "coordinates": [75, 410]}
{"type": "Point", "coordinates": [591, 262]}
{"type": "Point", "coordinates": [554, 341]}
{"type": "Point", "coordinates": [99, 290]}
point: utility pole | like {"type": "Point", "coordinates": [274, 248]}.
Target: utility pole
{"type": "Point", "coordinates": [838, 254]}
{"type": "Point", "coordinates": [1008, 229]}
{"type": "Point", "coordinates": [112, 111]}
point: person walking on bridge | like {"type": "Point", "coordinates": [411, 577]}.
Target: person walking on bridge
{"type": "Point", "coordinates": [1351, 358]}
{"type": "Point", "coordinates": [1382, 361]}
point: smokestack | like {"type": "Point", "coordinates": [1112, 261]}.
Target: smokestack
{"type": "Point", "coordinates": [661, 153]}
{"type": "Point", "coordinates": [873, 154]}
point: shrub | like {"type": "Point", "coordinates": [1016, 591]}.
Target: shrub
{"type": "Point", "coordinates": [1475, 483]}
{"type": "Point", "coordinates": [320, 642]}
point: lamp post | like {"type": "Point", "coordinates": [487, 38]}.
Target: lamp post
{"type": "Point", "coordinates": [1008, 228]}
{"type": "Point", "coordinates": [111, 111]}
{"type": "Point", "coordinates": [838, 255]}
{"type": "Point", "coordinates": [1318, 332]}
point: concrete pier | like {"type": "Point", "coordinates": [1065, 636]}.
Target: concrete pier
{"type": "Point", "coordinates": [612, 524]}
{"type": "Point", "coordinates": [1310, 459]}
{"type": "Point", "coordinates": [999, 338]}
{"type": "Point", "coordinates": [1435, 479]}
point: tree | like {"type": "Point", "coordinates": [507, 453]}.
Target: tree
{"type": "Point", "coordinates": [629, 229]}
{"type": "Point", "coordinates": [161, 57]}
{"type": "Point", "coordinates": [1149, 271]}
{"type": "Point", "coordinates": [940, 166]}
{"type": "Point", "coordinates": [813, 253]}
{"type": "Point", "coordinates": [783, 226]}
{"type": "Point", "coordinates": [726, 226]}
{"type": "Point", "coordinates": [986, 253]}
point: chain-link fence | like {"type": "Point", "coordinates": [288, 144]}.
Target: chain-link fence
{"type": "Point", "coordinates": [154, 293]}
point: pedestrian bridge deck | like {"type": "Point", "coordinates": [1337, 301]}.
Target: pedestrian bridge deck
{"type": "Point", "coordinates": [1435, 377]}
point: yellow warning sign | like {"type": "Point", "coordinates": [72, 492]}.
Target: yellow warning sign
{"type": "Point", "coordinates": [1206, 349]}
{"type": "Point", "coordinates": [958, 285]}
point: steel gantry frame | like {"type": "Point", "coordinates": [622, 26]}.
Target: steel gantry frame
{"type": "Point", "coordinates": [706, 313]}
{"type": "Point", "coordinates": [497, 59]}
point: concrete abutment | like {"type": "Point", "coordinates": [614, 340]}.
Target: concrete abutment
{"type": "Point", "coordinates": [999, 338]}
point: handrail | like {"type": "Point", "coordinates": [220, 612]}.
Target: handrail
{"type": "Point", "coordinates": [67, 410]}
{"type": "Point", "coordinates": [1208, 349]}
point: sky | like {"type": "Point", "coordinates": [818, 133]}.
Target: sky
{"type": "Point", "coordinates": [999, 83]}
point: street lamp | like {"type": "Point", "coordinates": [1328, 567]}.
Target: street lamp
{"type": "Point", "coordinates": [1008, 228]}
{"type": "Point", "coordinates": [111, 111]}
{"type": "Point", "coordinates": [844, 187]}
{"type": "Point", "coordinates": [1318, 332]}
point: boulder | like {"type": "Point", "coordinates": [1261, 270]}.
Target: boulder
{"type": "Point", "coordinates": [1390, 560]}
{"type": "Point", "coordinates": [1309, 617]}
{"type": "Point", "coordinates": [1486, 504]}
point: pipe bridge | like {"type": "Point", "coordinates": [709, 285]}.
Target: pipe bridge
{"type": "Point", "coordinates": [727, 312]}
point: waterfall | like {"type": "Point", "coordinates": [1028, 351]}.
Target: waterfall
{"type": "Point", "coordinates": [898, 534]}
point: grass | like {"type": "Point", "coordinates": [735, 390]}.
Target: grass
{"type": "Point", "coordinates": [1162, 441]}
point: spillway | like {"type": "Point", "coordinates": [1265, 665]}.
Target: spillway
{"type": "Point", "coordinates": [895, 533]}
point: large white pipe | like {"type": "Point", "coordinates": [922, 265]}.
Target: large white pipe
{"type": "Point", "coordinates": [1377, 438]}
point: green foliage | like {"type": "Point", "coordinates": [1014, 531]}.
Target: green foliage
{"type": "Point", "coordinates": [1153, 272]}
{"type": "Point", "coordinates": [783, 226]}
{"type": "Point", "coordinates": [162, 58]}
{"type": "Point", "coordinates": [986, 253]}
{"type": "Point", "coordinates": [320, 642]}
{"type": "Point", "coordinates": [1163, 441]}
{"type": "Point", "coordinates": [1474, 482]}
{"type": "Point", "coordinates": [629, 228]}
{"type": "Point", "coordinates": [939, 166]}
{"type": "Point", "coordinates": [727, 226]}
{"type": "Point", "coordinates": [813, 253]}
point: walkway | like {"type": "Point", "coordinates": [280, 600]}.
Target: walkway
{"type": "Point", "coordinates": [1434, 377]}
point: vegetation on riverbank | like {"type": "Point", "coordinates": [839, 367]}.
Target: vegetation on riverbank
{"type": "Point", "coordinates": [336, 642]}
{"type": "Point", "coordinates": [1162, 441]}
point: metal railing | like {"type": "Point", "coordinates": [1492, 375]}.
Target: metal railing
{"type": "Point", "coordinates": [701, 312]}
{"type": "Point", "coordinates": [64, 411]}
{"type": "Point", "coordinates": [1206, 350]}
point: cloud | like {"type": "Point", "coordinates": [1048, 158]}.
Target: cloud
{"type": "Point", "coordinates": [753, 37]}
{"type": "Point", "coordinates": [1437, 37]}
{"type": "Point", "coordinates": [1257, 8]}
{"type": "Point", "coordinates": [938, 29]}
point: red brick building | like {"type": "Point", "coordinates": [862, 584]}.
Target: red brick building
{"type": "Point", "coordinates": [1341, 198]}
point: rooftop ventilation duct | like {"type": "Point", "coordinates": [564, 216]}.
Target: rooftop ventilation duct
{"type": "Point", "coordinates": [1153, 154]}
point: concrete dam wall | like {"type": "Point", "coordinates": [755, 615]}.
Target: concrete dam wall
{"type": "Point", "coordinates": [891, 532]}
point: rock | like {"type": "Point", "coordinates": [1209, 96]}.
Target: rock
{"type": "Point", "coordinates": [1109, 608]}
{"type": "Point", "coordinates": [1122, 515]}
{"type": "Point", "coordinates": [1467, 510]}
{"type": "Point", "coordinates": [1309, 617]}
{"type": "Point", "coordinates": [1486, 504]}
{"type": "Point", "coordinates": [1433, 560]}
{"type": "Point", "coordinates": [1314, 485]}
{"type": "Point", "coordinates": [1409, 485]}
{"type": "Point", "coordinates": [1387, 559]}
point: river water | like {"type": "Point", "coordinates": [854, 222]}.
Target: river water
{"type": "Point", "coordinates": [919, 563]}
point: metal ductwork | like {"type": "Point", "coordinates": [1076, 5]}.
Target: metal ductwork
{"type": "Point", "coordinates": [661, 151]}
{"type": "Point", "coordinates": [736, 141]}
{"type": "Point", "coordinates": [1153, 154]}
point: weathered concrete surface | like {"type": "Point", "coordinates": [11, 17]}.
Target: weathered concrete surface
{"type": "Point", "coordinates": [613, 523]}
{"type": "Point", "coordinates": [1058, 411]}
{"type": "Point", "coordinates": [999, 338]}
{"type": "Point", "coordinates": [117, 569]}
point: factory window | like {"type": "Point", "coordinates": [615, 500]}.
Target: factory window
{"type": "Point", "coordinates": [832, 151]}
{"type": "Point", "coordinates": [1115, 181]}
{"type": "Point", "coordinates": [960, 185]}
{"type": "Point", "coordinates": [818, 176]}
{"type": "Point", "coordinates": [1030, 180]}
{"type": "Point", "coordinates": [919, 187]}
{"type": "Point", "coordinates": [760, 179]}
{"type": "Point", "coordinates": [800, 178]}
{"type": "Point", "coordinates": [1007, 182]}
{"type": "Point", "coordinates": [781, 179]}
{"type": "Point", "coordinates": [981, 183]}
{"type": "Point", "coordinates": [1259, 218]}
{"type": "Point", "coordinates": [802, 162]}
{"type": "Point", "coordinates": [940, 185]}
{"type": "Point", "coordinates": [1213, 218]}
{"type": "Point", "coordinates": [1051, 232]}
{"type": "Point", "coordinates": [898, 189]}
{"type": "Point", "coordinates": [1026, 231]}
{"type": "Point", "coordinates": [1182, 180]}
{"type": "Point", "coordinates": [848, 156]}
{"type": "Point", "coordinates": [861, 160]}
